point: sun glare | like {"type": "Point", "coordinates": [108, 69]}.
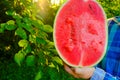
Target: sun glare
{"type": "Point", "coordinates": [55, 2]}
{"type": "Point", "coordinates": [35, 1]}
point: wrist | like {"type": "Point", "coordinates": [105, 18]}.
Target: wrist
{"type": "Point", "coordinates": [98, 74]}
{"type": "Point", "coordinates": [91, 72]}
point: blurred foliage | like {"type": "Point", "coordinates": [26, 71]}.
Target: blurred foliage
{"type": "Point", "coordinates": [26, 38]}
{"type": "Point", "coordinates": [111, 7]}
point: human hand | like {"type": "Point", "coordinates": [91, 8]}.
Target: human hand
{"type": "Point", "coordinates": [85, 72]}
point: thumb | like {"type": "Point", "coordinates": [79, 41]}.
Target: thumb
{"type": "Point", "coordinates": [70, 71]}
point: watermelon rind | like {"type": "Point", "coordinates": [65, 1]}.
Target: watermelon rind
{"type": "Point", "coordinates": [54, 38]}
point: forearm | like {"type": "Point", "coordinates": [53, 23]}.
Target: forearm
{"type": "Point", "coordinates": [111, 77]}
{"type": "Point", "coordinates": [100, 74]}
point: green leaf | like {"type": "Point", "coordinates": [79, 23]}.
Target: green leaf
{"type": "Point", "coordinates": [23, 43]}
{"type": "Point", "coordinates": [27, 20]}
{"type": "Point", "coordinates": [28, 49]}
{"type": "Point", "coordinates": [17, 16]}
{"type": "Point", "coordinates": [41, 58]}
{"type": "Point", "coordinates": [38, 75]}
{"type": "Point", "coordinates": [13, 14]}
{"type": "Point", "coordinates": [19, 23]}
{"type": "Point", "coordinates": [58, 60]}
{"type": "Point", "coordinates": [40, 41]}
{"type": "Point", "coordinates": [1, 30]}
{"type": "Point", "coordinates": [2, 27]}
{"type": "Point", "coordinates": [52, 65]}
{"type": "Point", "coordinates": [10, 27]}
{"type": "Point", "coordinates": [50, 44]}
{"type": "Point", "coordinates": [30, 60]}
{"type": "Point", "coordinates": [29, 28]}
{"type": "Point", "coordinates": [10, 13]}
{"type": "Point", "coordinates": [32, 38]}
{"type": "Point", "coordinates": [21, 32]}
{"type": "Point", "coordinates": [19, 57]}
{"type": "Point", "coordinates": [48, 28]}
{"type": "Point", "coordinates": [53, 72]}
{"type": "Point", "coordinates": [38, 24]}
{"type": "Point", "coordinates": [11, 22]}
{"type": "Point", "coordinates": [42, 34]}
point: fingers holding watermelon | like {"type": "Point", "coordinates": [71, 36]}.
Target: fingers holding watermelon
{"type": "Point", "coordinates": [84, 72]}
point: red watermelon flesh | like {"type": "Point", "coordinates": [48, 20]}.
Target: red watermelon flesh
{"type": "Point", "coordinates": [80, 33]}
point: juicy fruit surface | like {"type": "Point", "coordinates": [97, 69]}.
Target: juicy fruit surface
{"type": "Point", "coordinates": [80, 33]}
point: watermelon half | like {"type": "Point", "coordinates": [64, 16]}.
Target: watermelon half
{"type": "Point", "coordinates": [80, 33]}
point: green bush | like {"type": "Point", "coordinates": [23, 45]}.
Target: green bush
{"type": "Point", "coordinates": [111, 7]}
